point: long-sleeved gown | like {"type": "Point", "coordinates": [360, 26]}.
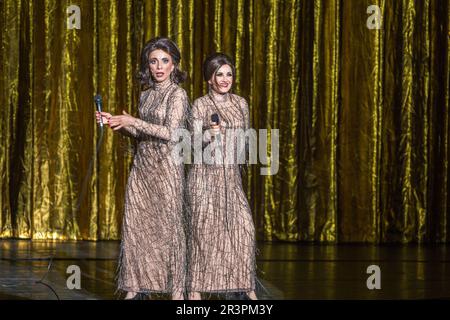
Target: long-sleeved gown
{"type": "Point", "coordinates": [153, 247]}
{"type": "Point", "coordinates": [221, 241]}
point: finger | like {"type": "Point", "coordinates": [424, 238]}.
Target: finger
{"type": "Point", "coordinates": [117, 127]}
{"type": "Point", "coordinates": [124, 112]}
{"type": "Point", "coordinates": [115, 122]}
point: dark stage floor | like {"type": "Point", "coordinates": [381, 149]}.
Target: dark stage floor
{"type": "Point", "coordinates": [286, 270]}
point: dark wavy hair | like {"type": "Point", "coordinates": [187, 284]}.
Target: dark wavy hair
{"type": "Point", "coordinates": [213, 63]}
{"type": "Point", "coordinates": [168, 46]}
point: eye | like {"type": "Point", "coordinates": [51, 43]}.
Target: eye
{"type": "Point", "coordinates": [165, 60]}
{"type": "Point", "coordinates": [153, 61]}
{"type": "Point", "coordinates": [229, 74]}
{"type": "Point", "coordinates": [219, 74]}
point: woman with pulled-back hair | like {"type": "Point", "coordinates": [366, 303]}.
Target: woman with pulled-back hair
{"type": "Point", "coordinates": [153, 247]}
{"type": "Point", "coordinates": [221, 242]}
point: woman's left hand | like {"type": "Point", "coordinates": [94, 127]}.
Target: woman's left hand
{"type": "Point", "coordinates": [122, 121]}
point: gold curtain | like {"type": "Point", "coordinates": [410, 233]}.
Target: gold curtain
{"type": "Point", "coordinates": [363, 114]}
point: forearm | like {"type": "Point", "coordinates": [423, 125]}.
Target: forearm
{"type": "Point", "coordinates": [129, 131]}
{"type": "Point", "coordinates": [140, 126]}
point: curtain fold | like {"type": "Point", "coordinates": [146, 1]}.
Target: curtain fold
{"type": "Point", "coordinates": [362, 114]}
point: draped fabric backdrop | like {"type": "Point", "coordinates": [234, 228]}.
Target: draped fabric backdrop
{"type": "Point", "coordinates": [363, 114]}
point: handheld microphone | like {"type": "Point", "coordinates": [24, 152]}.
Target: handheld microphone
{"type": "Point", "coordinates": [98, 103]}
{"type": "Point", "coordinates": [215, 118]}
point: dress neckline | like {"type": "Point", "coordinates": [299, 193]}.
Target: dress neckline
{"type": "Point", "coordinates": [158, 86]}
{"type": "Point", "coordinates": [217, 97]}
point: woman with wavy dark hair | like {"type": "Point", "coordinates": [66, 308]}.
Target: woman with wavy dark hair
{"type": "Point", "coordinates": [153, 247]}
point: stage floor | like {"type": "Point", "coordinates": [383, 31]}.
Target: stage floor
{"type": "Point", "coordinates": [285, 270]}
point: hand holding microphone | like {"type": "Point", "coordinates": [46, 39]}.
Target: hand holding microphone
{"type": "Point", "coordinates": [115, 122]}
{"type": "Point", "coordinates": [215, 125]}
{"type": "Point", "coordinates": [102, 117]}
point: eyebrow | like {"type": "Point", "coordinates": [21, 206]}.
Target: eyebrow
{"type": "Point", "coordinates": [157, 58]}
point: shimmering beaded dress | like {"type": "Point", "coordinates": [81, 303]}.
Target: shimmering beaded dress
{"type": "Point", "coordinates": [153, 247]}
{"type": "Point", "coordinates": [221, 241]}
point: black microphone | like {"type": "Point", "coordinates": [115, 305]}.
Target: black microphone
{"type": "Point", "coordinates": [215, 118]}
{"type": "Point", "coordinates": [98, 103]}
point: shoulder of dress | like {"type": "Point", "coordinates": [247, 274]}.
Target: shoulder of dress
{"type": "Point", "coordinates": [241, 100]}
{"type": "Point", "coordinates": [202, 101]}
{"type": "Point", "coordinates": [145, 91]}
{"type": "Point", "coordinates": [144, 94]}
{"type": "Point", "coordinates": [179, 91]}
{"type": "Point", "coordinates": [201, 105]}
{"type": "Point", "coordinates": [178, 94]}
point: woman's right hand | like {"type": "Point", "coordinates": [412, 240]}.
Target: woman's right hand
{"type": "Point", "coordinates": [104, 116]}
{"type": "Point", "coordinates": [215, 129]}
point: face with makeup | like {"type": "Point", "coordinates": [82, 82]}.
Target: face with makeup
{"type": "Point", "coordinates": [161, 65]}
{"type": "Point", "coordinates": [222, 80]}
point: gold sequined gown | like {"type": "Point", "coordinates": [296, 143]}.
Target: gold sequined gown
{"type": "Point", "coordinates": [221, 240]}
{"type": "Point", "coordinates": [153, 246]}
